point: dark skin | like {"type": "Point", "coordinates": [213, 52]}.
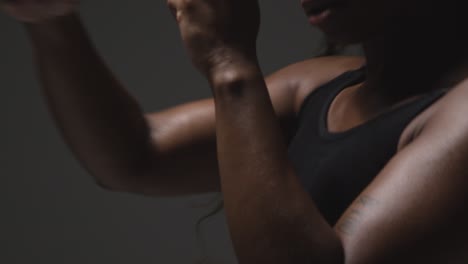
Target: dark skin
{"type": "Point", "coordinates": [412, 212]}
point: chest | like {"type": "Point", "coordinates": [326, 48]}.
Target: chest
{"type": "Point", "coordinates": [336, 168]}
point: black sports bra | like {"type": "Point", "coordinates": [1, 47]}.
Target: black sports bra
{"type": "Point", "coordinates": [335, 167]}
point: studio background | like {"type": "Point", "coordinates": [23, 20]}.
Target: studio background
{"type": "Point", "coordinates": [51, 210]}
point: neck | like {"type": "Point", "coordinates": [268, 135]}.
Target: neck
{"type": "Point", "coordinates": [414, 58]}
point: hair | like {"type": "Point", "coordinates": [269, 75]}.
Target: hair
{"type": "Point", "coordinates": [216, 209]}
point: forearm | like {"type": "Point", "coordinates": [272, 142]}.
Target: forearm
{"type": "Point", "coordinates": [270, 216]}
{"type": "Point", "coordinates": [100, 121]}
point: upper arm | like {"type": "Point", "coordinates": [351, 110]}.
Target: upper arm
{"type": "Point", "coordinates": [413, 211]}
{"type": "Point", "coordinates": [183, 140]}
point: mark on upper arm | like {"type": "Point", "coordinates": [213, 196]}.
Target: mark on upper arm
{"type": "Point", "coordinates": [347, 225]}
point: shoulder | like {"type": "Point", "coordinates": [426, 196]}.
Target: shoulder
{"type": "Point", "coordinates": [449, 118]}
{"type": "Point", "coordinates": [445, 120]}
{"type": "Point", "coordinates": [305, 76]}
{"type": "Point", "coordinates": [418, 199]}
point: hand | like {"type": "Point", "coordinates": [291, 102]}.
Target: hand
{"type": "Point", "coordinates": [216, 32]}
{"type": "Point", "coordinates": [34, 11]}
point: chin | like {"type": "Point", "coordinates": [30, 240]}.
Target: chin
{"type": "Point", "coordinates": [348, 25]}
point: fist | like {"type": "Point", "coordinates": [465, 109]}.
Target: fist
{"type": "Point", "coordinates": [33, 11]}
{"type": "Point", "coordinates": [214, 31]}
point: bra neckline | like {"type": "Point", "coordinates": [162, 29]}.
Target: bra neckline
{"type": "Point", "coordinates": [357, 76]}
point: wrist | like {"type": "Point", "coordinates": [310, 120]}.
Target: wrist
{"type": "Point", "coordinates": [234, 74]}
{"type": "Point", "coordinates": [233, 67]}
{"type": "Point", "coordinates": [235, 79]}
{"type": "Point", "coordinates": [54, 34]}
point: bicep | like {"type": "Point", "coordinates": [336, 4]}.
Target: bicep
{"type": "Point", "coordinates": [183, 138]}
{"type": "Point", "coordinates": [183, 143]}
{"type": "Point", "coordinates": [413, 210]}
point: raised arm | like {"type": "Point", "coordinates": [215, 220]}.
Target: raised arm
{"type": "Point", "coordinates": [171, 152]}
{"type": "Point", "coordinates": [167, 153]}
{"type": "Point", "coordinates": [413, 212]}
{"type": "Point", "coordinates": [100, 121]}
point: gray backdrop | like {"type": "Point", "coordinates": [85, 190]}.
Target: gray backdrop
{"type": "Point", "coordinates": [51, 210]}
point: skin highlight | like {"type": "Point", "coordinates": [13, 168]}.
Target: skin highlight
{"type": "Point", "coordinates": [241, 151]}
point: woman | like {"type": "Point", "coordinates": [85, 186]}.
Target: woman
{"type": "Point", "coordinates": [332, 160]}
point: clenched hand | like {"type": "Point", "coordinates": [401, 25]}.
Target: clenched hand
{"type": "Point", "coordinates": [217, 32]}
